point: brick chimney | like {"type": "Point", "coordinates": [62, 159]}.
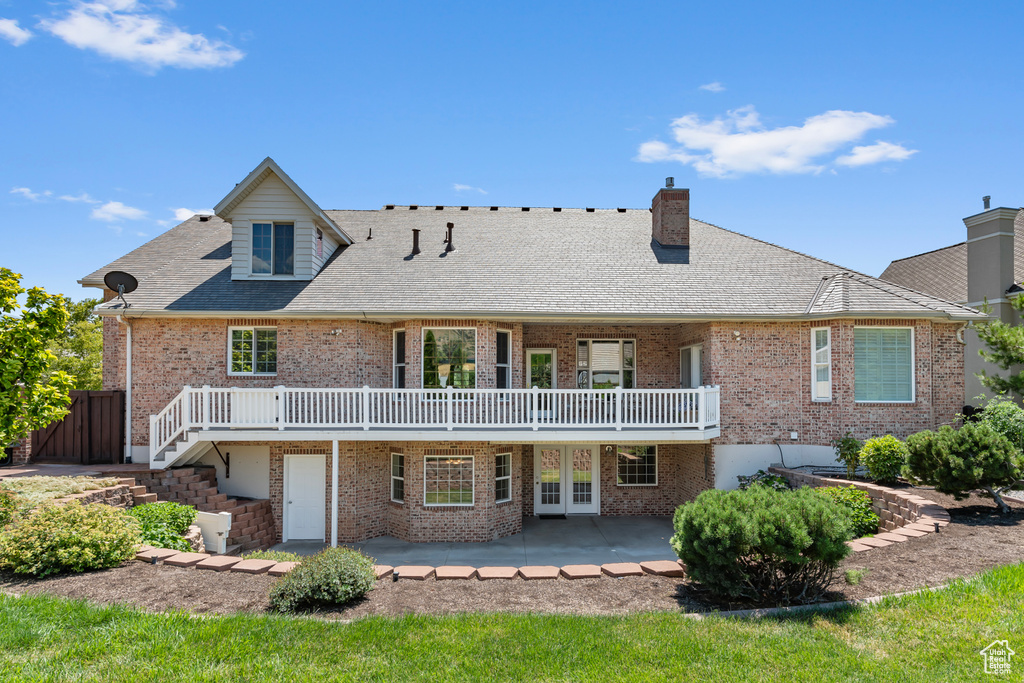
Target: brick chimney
{"type": "Point", "coordinates": [670, 216]}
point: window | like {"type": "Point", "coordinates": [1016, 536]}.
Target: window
{"type": "Point", "coordinates": [503, 356]}
{"type": "Point", "coordinates": [398, 477]}
{"type": "Point", "coordinates": [253, 350]}
{"type": "Point", "coordinates": [448, 480]}
{"type": "Point", "coordinates": [449, 358]}
{"type": "Point", "coordinates": [605, 364]}
{"type": "Point", "coordinates": [503, 478]}
{"type": "Point", "coordinates": [399, 374]}
{"type": "Point", "coordinates": [637, 466]}
{"type": "Point", "coordinates": [821, 364]}
{"type": "Point", "coordinates": [691, 369]}
{"type": "Point", "coordinates": [883, 364]}
{"type": "Point", "coordinates": [273, 248]}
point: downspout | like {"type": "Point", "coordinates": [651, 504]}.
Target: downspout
{"type": "Point", "coordinates": [334, 494]}
{"type": "Point", "coordinates": [127, 391]}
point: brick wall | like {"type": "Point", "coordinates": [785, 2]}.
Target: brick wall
{"type": "Point", "coordinates": [22, 452]}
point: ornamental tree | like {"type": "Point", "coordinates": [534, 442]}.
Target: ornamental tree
{"type": "Point", "coordinates": [79, 351]}
{"type": "Point", "coordinates": [958, 461]}
{"type": "Point", "coordinates": [31, 396]}
{"type": "Point", "coordinates": [1005, 348]}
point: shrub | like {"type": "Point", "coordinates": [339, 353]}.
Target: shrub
{"type": "Point", "coordinates": [331, 577]}
{"type": "Point", "coordinates": [70, 537]}
{"type": "Point", "coordinates": [760, 544]}
{"type": "Point", "coordinates": [275, 555]}
{"type": "Point", "coordinates": [762, 478]}
{"type": "Point", "coordinates": [957, 461]}
{"type": "Point", "coordinates": [847, 450]}
{"type": "Point", "coordinates": [857, 503]}
{"type": "Point", "coordinates": [37, 490]}
{"type": "Point", "coordinates": [8, 508]}
{"type": "Point", "coordinates": [164, 525]}
{"type": "Point", "coordinates": [1006, 417]}
{"type": "Point", "coordinates": [884, 457]}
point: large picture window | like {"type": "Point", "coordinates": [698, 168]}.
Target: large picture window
{"type": "Point", "coordinates": [605, 364]}
{"type": "Point", "coordinates": [448, 480]}
{"type": "Point", "coordinates": [449, 358]}
{"type": "Point", "coordinates": [821, 364]}
{"type": "Point", "coordinates": [252, 351]}
{"type": "Point", "coordinates": [636, 465]}
{"type": "Point", "coordinates": [883, 360]}
{"type": "Point", "coordinates": [273, 248]}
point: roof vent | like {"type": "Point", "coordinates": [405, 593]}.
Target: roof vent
{"type": "Point", "coordinates": [621, 210]}
{"type": "Point", "coordinates": [494, 208]}
{"type": "Point", "coordinates": [369, 235]}
{"type": "Point", "coordinates": [986, 200]}
{"type": "Point", "coordinates": [590, 210]}
{"type": "Point", "coordinates": [415, 241]}
{"type": "Point", "coordinates": [463, 208]}
{"type": "Point", "coordinates": [438, 208]}
{"type": "Point", "coordinates": [203, 218]}
{"type": "Point", "coordinates": [451, 243]}
{"type": "Point", "coordinates": [670, 182]}
{"type": "Point", "coordinates": [413, 207]}
{"type": "Point", "coordinates": [389, 207]}
{"type": "Point", "coordinates": [526, 208]}
{"type": "Point", "coordinates": [557, 209]}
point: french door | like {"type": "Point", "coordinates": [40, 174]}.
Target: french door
{"type": "Point", "coordinates": [566, 479]}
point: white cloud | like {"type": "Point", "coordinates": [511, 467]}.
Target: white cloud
{"type": "Point", "coordinates": [83, 197]}
{"type": "Point", "coordinates": [739, 143]}
{"type": "Point", "coordinates": [458, 187]}
{"type": "Point", "coordinates": [12, 33]}
{"type": "Point", "coordinates": [876, 153]}
{"type": "Point", "coordinates": [123, 29]}
{"type": "Point", "coordinates": [30, 195]}
{"type": "Point", "coordinates": [185, 214]}
{"type": "Point", "coordinates": [116, 211]}
{"type": "Point", "coordinates": [713, 87]}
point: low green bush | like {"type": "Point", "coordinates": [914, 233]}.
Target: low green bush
{"type": "Point", "coordinates": [847, 449]}
{"type": "Point", "coordinates": [762, 478]}
{"type": "Point", "coordinates": [767, 546]}
{"type": "Point", "coordinates": [958, 461]}
{"type": "Point", "coordinates": [884, 456]}
{"type": "Point", "coordinates": [331, 577]}
{"type": "Point", "coordinates": [275, 555]}
{"type": "Point", "coordinates": [164, 524]}
{"type": "Point", "coordinates": [1006, 417]}
{"type": "Point", "coordinates": [70, 537]}
{"type": "Point", "coordinates": [857, 503]}
{"type": "Point", "coordinates": [8, 507]}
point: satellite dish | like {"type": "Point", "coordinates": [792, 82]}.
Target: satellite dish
{"type": "Point", "coordinates": [122, 283]}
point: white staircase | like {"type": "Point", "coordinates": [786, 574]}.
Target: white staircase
{"type": "Point", "coordinates": [183, 452]}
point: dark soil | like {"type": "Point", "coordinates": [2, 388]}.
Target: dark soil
{"type": "Point", "coordinates": [978, 538]}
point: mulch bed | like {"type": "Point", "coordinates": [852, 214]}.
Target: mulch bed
{"type": "Point", "coordinates": [978, 538]}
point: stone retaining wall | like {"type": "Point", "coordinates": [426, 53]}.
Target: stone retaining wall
{"type": "Point", "coordinates": [123, 495]}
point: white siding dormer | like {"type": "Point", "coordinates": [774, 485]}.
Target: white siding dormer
{"type": "Point", "coordinates": [293, 237]}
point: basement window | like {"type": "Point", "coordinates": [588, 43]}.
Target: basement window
{"type": "Point", "coordinates": [636, 466]}
{"type": "Point", "coordinates": [448, 480]}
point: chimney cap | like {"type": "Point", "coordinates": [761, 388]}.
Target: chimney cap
{"type": "Point", "coordinates": [986, 201]}
{"type": "Point", "coordinates": [670, 182]}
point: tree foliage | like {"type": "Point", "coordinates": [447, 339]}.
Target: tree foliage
{"type": "Point", "coordinates": [31, 396]}
{"type": "Point", "coordinates": [79, 351]}
{"type": "Point", "coordinates": [1005, 348]}
{"type": "Point", "coordinates": [958, 461]}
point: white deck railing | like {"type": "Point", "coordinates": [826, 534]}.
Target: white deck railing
{"type": "Point", "coordinates": [285, 408]}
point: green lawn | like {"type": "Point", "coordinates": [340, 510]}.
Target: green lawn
{"type": "Point", "coordinates": [928, 637]}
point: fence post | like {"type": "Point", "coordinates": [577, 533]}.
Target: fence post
{"type": "Point", "coordinates": [535, 406]}
{"type": "Point", "coordinates": [281, 408]}
{"type": "Point", "coordinates": [206, 406]}
{"type": "Point", "coordinates": [154, 438]}
{"type": "Point", "coordinates": [186, 418]}
{"type": "Point", "coordinates": [366, 408]}
{"type": "Point", "coordinates": [702, 406]}
{"type": "Point", "coordinates": [618, 408]}
{"type": "Point", "coordinates": [449, 407]}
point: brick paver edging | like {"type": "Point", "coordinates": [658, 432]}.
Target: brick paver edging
{"type": "Point", "coordinates": [902, 514]}
{"type": "Point", "coordinates": [226, 563]}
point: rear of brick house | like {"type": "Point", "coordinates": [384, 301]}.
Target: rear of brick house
{"type": "Point", "coordinates": [527, 361]}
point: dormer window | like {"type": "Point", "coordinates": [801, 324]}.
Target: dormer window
{"type": "Point", "coordinates": [273, 248]}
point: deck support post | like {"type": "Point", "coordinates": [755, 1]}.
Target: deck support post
{"type": "Point", "coordinates": [334, 494]}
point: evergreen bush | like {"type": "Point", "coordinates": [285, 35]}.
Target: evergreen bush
{"type": "Point", "coordinates": [762, 545]}
{"type": "Point", "coordinates": [958, 461]}
{"type": "Point", "coordinates": [332, 577]}
{"type": "Point", "coordinates": [884, 456]}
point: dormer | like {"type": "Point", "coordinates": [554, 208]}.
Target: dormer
{"type": "Point", "coordinates": [277, 231]}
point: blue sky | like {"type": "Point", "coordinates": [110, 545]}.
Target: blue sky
{"type": "Point", "coordinates": [858, 134]}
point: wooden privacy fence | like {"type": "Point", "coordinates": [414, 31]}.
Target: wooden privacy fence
{"type": "Point", "coordinates": [91, 434]}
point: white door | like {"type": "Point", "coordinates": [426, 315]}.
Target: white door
{"type": "Point", "coordinates": [305, 495]}
{"type": "Point", "coordinates": [566, 480]}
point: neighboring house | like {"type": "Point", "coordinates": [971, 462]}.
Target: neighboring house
{"type": "Point", "coordinates": [526, 361]}
{"type": "Point", "coordinates": [986, 268]}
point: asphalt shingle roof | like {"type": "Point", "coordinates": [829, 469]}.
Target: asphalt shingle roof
{"type": "Point", "coordinates": [569, 263]}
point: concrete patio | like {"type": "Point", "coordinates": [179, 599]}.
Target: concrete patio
{"type": "Point", "coordinates": [583, 539]}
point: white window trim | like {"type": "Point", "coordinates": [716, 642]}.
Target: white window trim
{"type": "Point", "coordinates": [696, 373]}
{"type": "Point", "coordinates": [393, 478]}
{"type": "Point", "coordinates": [507, 477]}
{"type": "Point", "coordinates": [253, 329]}
{"type": "Point", "coordinates": [273, 231]}
{"type": "Point", "coordinates": [590, 359]}
{"type": "Point", "coordinates": [394, 359]}
{"type": "Point", "coordinates": [423, 360]}
{"type": "Point", "coordinates": [471, 458]}
{"type": "Point", "coordinates": [814, 366]}
{"type": "Point", "coordinates": [913, 362]}
{"type": "Point", "coordinates": [657, 460]}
